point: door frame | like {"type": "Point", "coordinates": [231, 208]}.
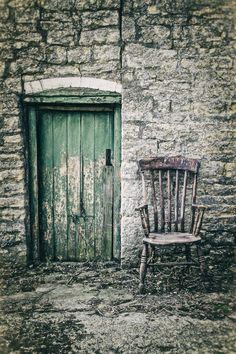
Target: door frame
{"type": "Point", "coordinates": [96, 99]}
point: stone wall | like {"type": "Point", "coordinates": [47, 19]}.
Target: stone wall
{"type": "Point", "coordinates": [178, 99]}
{"type": "Point", "coordinates": [175, 60]}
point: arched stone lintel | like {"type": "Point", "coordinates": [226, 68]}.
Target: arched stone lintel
{"type": "Point", "coordinates": [37, 86]}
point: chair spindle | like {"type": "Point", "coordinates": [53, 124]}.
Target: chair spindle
{"type": "Point", "coordinates": [183, 201]}
{"type": "Point", "coordinates": [176, 199]}
{"type": "Point", "coordinates": [162, 202]}
{"type": "Point", "coordinates": [194, 195]}
{"type": "Point", "coordinates": [154, 202]}
{"type": "Point", "coordinates": [169, 200]}
{"type": "Point", "coordinates": [144, 189]}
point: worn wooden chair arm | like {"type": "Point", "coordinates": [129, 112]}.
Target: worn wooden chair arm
{"type": "Point", "coordinates": [198, 214]}
{"type": "Point", "coordinates": [143, 210]}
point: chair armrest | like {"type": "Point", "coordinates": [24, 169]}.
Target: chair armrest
{"type": "Point", "coordinates": [143, 210]}
{"type": "Point", "coordinates": [198, 213]}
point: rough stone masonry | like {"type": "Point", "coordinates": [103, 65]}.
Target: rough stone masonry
{"type": "Point", "coordinates": [175, 61]}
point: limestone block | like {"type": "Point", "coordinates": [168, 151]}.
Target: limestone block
{"type": "Point", "coordinates": [59, 33]}
{"type": "Point", "coordinates": [135, 150]}
{"type": "Point", "coordinates": [131, 191]}
{"type": "Point", "coordinates": [13, 176]}
{"type": "Point", "coordinates": [93, 20]}
{"type": "Point", "coordinates": [56, 5]}
{"type": "Point", "coordinates": [17, 202]}
{"type": "Point", "coordinates": [131, 130]}
{"type": "Point", "coordinates": [6, 52]}
{"type": "Point", "coordinates": [130, 204]}
{"type": "Point", "coordinates": [129, 170]}
{"type": "Point", "coordinates": [4, 12]}
{"type": "Point", "coordinates": [11, 140]}
{"type": "Point", "coordinates": [10, 103]}
{"type": "Point", "coordinates": [61, 70]}
{"type": "Point", "coordinates": [11, 189]}
{"type": "Point", "coordinates": [79, 55]}
{"type": "Point", "coordinates": [9, 161]}
{"type": "Point", "coordinates": [17, 228]}
{"type": "Point", "coordinates": [12, 215]}
{"type": "Point", "coordinates": [106, 53]}
{"type": "Point", "coordinates": [159, 35]}
{"type": "Point", "coordinates": [99, 36]}
{"type": "Point", "coordinates": [109, 71]}
{"type": "Point", "coordinates": [136, 55]}
{"type": "Point", "coordinates": [153, 9]}
{"type": "Point", "coordinates": [56, 55]}
{"type": "Point", "coordinates": [12, 85]}
{"type": "Point", "coordinates": [16, 68]}
{"type": "Point", "coordinates": [2, 69]}
{"type": "Point", "coordinates": [230, 169]}
{"type": "Point", "coordinates": [83, 5]}
{"type": "Point", "coordinates": [30, 37]}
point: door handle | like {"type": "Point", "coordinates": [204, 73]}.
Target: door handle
{"type": "Point", "coordinates": [108, 157]}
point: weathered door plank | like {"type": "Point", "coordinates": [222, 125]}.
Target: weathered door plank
{"type": "Point", "coordinates": [103, 141]}
{"type": "Point", "coordinates": [33, 241]}
{"type": "Point", "coordinates": [107, 229]}
{"type": "Point", "coordinates": [73, 163]}
{"type": "Point", "coordinates": [60, 173]}
{"type": "Point", "coordinates": [87, 182]}
{"type": "Point", "coordinates": [117, 181]}
{"type": "Point", "coordinates": [46, 185]}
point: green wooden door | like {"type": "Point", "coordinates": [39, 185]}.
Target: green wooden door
{"type": "Point", "coordinates": [75, 180]}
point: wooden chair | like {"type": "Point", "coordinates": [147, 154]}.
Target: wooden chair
{"type": "Point", "coordinates": [170, 186]}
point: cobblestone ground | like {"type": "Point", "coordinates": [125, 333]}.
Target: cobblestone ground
{"type": "Point", "coordinates": [96, 309]}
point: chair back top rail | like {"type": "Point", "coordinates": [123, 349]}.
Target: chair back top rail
{"type": "Point", "coordinates": [169, 162]}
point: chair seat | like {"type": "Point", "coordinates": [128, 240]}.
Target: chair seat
{"type": "Point", "coordinates": [170, 238]}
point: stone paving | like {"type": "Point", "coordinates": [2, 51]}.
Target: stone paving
{"type": "Point", "coordinates": [96, 309]}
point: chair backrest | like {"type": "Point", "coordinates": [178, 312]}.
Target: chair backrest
{"type": "Point", "coordinates": [169, 188]}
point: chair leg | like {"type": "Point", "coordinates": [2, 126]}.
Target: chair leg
{"type": "Point", "coordinates": [188, 255]}
{"type": "Point", "coordinates": [143, 268]}
{"type": "Point", "coordinates": [152, 250]}
{"type": "Point", "coordinates": [201, 260]}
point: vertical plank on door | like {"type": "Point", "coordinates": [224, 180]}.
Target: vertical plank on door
{"type": "Point", "coordinates": [117, 181]}
{"type": "Point", "coordinates": [108, 184]}
{"type": "Point", "coordinates": [73, 143]}
{"type": "Point", "coordinates": [45, 163]}
{"type": "Point", "coordinates": [107, 230]}
{"type": "Point", "coordinates": [87, 182]}
{"type": "Point", "coordinates": [33, 242]}
{"type": "Point", "coordinates": [103, 140]}
{"type": "Point", "coordinates": [60, 183]}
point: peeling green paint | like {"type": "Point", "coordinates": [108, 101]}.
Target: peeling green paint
{"type": "Point", "coordinates": [75, 187]}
